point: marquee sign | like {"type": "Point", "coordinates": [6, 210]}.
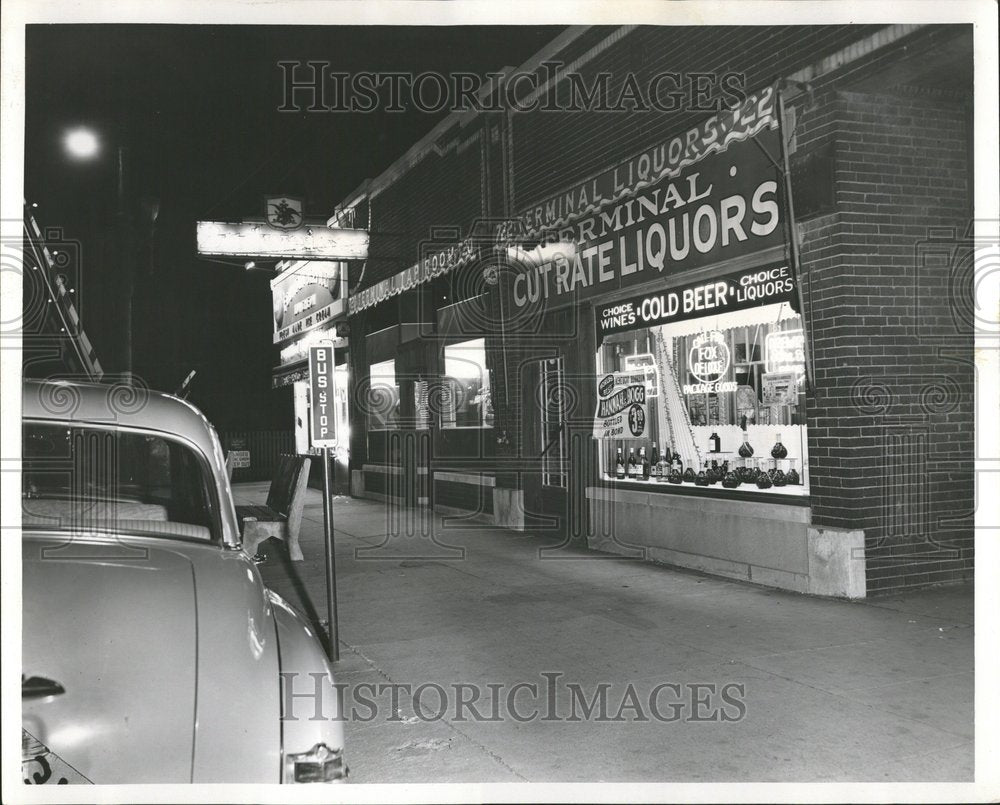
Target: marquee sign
{"type": "Point", "coordinates": [741, 290]}
{"type": "Point", "coordinates": [218, 238]}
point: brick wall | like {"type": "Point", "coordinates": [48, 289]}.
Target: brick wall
{"type": "Point", "coordinates": [891, 421]}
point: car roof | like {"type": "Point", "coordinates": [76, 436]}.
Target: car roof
{"type": "Point", "coordinates": [115, 404]}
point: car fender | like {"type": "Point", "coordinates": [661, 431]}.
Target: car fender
{"type": "Point", "coordinates": [311, 710]}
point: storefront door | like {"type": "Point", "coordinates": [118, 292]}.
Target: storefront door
{"type": "Point", "coordinates": [545, 446]}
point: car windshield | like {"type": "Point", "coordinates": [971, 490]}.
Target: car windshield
{"type": "Point", "coordinates": [90, 479]}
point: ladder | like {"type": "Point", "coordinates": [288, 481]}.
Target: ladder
{"type": "Point", "coordinates": [37, 257]}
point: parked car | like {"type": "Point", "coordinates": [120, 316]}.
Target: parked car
{"type": "Point", "coordinates": [152, 651]}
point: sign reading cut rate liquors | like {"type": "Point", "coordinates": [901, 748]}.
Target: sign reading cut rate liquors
{"type": "Point", "coordinates": [322, 414]}
{"type": "Point", "coordinates": [622, 409]}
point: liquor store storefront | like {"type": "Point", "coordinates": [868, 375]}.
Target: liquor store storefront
{"type": "Point", "coordinates": [693, 358]}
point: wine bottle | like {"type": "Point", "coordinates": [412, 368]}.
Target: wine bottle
{"type": "Point", "coordinates": [675, 476]}
{"type": "Point", "coordinates": [633, 468]}
{"type": "Point", "coordinates": [643, 464]}
{"type": "Point", "coordinates": [619, 465]}
{"type": "Point", "coordinates": [663, 467]}
{"type": "Point", "coordinates": [689, 475]}
{"type": "Point", "coordinates": [731, 480]}
{"type": "Point", "coordinates": [716, 443]}
{"type": "Point", "coordinates": [779, 450]}
{"type": "Point", "coordinates": [654, 463]}
{"type": "Point", "coordinates": [702, 478]}
{"type": "Point", "coordinates": [746, 451]}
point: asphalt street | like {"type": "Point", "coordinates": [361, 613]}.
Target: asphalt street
{"type": "Point", "coordinates": [471, 657]}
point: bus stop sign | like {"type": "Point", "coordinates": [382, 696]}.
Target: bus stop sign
{"type": "Point", "coordinates": [323, 421]}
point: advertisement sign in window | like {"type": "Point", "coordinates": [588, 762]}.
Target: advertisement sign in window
{"type": "Point", "coordinates": [622, 408]}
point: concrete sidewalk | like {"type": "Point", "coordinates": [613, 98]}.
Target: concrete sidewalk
{"type": "Point", "coordinates": [761, 685]}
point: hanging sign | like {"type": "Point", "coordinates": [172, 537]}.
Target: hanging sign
{"type": "Point", "coordinates": [622, 407]}
{"type": "Point", "coordinates": [741, 290]}
{"type": "Point", "coordinates": [779, 388]}
{"type": "Point", "coordinates": [322, 405]}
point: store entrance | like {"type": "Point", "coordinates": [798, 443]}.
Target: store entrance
{"type": "Point", "coordinates": [544, 441]}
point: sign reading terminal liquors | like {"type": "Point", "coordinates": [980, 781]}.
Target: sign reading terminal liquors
{"type": "Point", "coordinates": [726, 203]}
{"type": "Point", "coordinates": [740, 290]}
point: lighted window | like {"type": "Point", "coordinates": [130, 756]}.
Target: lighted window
{"type": "Point", "coordinates": [466, 400]}
{"type": "Point", "coordinates": [709, 381]}
{"type": "Point", "coordinates": [382, 399]}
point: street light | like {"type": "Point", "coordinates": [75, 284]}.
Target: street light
{"type": "Point", "coordinates": [81, 143]}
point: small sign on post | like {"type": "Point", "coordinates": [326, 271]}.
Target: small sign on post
{"type": "Point", "coordinates": [321, 386]}
{"type": "Point", "coordinates": [323, 434]}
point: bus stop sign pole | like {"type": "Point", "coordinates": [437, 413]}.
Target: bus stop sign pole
{"type": "Point", "coordinates": [323, 433]}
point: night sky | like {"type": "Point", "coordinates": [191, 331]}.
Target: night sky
{"type": "Point", "coordinates": [196, 109]}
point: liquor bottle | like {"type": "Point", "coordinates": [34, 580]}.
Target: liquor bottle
{"type": "Point", "coordinates": [643, 464]}
{"type": "Point", "coordinates": [689, 475]}
{"type": "Point", "coordinates": [746, 451]}
{"type": "Point", "coordinates": [633, 468]}
{"type": "Point", "coordinates": [778, 479]}
{"type": "Point", "coordinates": [663, 467]}
{"type": "Point", "coordinates": [619, 465]}
{"type": "Point", "coordinates": [675, 476]}
{"type": "Point", "coordinates": [763, 480]}
{"type": "Point", "coordinates": [702, 478]}
{"type": "Point", "coordinates": [715, 442]}
{"type": "Point", "coordinates": [731, 480]}
{"type": "Point", "coordinates": [792, 476]}
{"type": "Point", "coordinates": [654, 463]}
{"type": "Point", "coordinates": [779, 450]}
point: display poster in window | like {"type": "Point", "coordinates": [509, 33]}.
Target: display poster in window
{"type": "Point", "coordinates": [645, 362]}
{"type": "Point", "coordinates": [622, 407]}
{"type": "Point", "coordinates": [780, 388]}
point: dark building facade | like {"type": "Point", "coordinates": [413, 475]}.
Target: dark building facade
{"type": "Point", "coordinates": [643, 259]}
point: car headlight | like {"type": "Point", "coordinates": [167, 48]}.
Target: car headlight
{"type": "Point", "coordinates": [321, 764]}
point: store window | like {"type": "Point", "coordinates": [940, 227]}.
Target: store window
{"type": "Point", "coordinates": [466, 399]}
{"type": "Point", "coordinates": [383, 396]}
{"type": "Point", "coordinates": [725, 402]}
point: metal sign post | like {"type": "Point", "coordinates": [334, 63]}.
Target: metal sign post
{"type": "Point", "coordinates": [323, 432]}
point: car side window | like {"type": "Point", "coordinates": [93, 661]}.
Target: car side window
{"type": "Point", "coordinates": [96, 479]}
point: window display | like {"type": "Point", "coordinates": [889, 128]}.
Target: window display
{"type": "Point", "coordinates": [724, 399]}
{"type": "Point", "coordinates": [466, 401]}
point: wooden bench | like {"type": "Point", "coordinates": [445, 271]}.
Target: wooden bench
{"type": "Point", "coordinates": [281, 517]}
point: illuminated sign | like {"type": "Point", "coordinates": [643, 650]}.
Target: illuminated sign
{"type": "Point", "coordinates": [306, 295]}
{"type": "Point", "coordinates": [708, 361]}
{"type": "Point", "coordinates": [784, 351]}
{"type": "Point", "coordinates": [222, 239]}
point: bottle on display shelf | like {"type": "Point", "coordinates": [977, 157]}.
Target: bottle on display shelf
{"type": "Point", "coordinates": [779, 479]}
{"type": "Point", "coordinates": [633, 468]}
{"type": "Point", "coordinates": [619, 465]}
{"type": "Point", "coordinates": [792, 476]}
{"type": "Point", "coordinates": [702, 478]}
{"type": "Point", "coordinates": [763, 480]}
{"type": "Point", "coordinates": [731, 480]}
{"type": "Point", "coordinates": [663, 467]}
{"type": "Point", "coordinates": [779, 450]}
{"type": "Point", "coordinates": [675, 476]}
{"type": "Point", "coordinates": [643, 464]}
{"type": "Point", "coordinates": [689, 475]}
{"type": "Point", "coordinates": [654, 463]}
{"type": "Point", "coordinates": [746, 451]}
{"type": "Point", "coordinates": [715, 443]}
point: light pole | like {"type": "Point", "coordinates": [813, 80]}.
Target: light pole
{"type": "Point", "coordinates": [83, 144]}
